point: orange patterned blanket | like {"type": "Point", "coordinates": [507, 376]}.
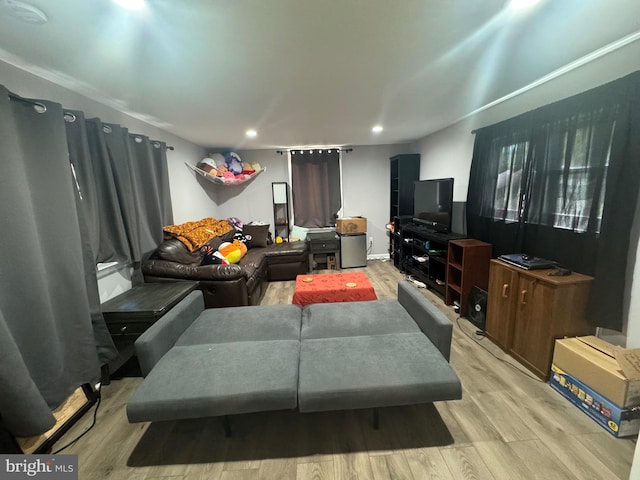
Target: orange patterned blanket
{"type": "Point", "coordinates": [196, 234]}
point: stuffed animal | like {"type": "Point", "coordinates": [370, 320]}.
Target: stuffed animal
{"type": "Point", "coordinates": [212, 257]}
{"type": "Point", "coordinates": [247, 169]}
{"type": "Point", "coordinates": [239, 236]}
{"type": "Point", "coordinates": [208, 165]}
{"type": "Point", "coordinates": [242, 246]}
{"type": "Point", "coordinates": [232, 252]}
{"type": "Point", "coordinates": [233, 162]}
{"type": "Point", "coordinates": [219, 159]}
{"type": "Point", "coordinates": [237, 224]}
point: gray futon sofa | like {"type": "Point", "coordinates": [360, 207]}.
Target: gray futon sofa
{"type": "Point", "coordinates": [331, 356]}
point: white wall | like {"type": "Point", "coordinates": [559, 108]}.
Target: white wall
{"type": "Point", "coordinates": [365, 177]}
{"type": "Point", "coordinates": [251, 201]}
{"type": "Point", "coordinates": [448, 153]}
{"type": "Point", "coordinates": [365, 173]}
{"type": "Point", "coordinates": [365, 182]}
{"type": "Point", "coordinates": [180, 178]}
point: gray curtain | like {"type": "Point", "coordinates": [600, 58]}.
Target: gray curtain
{"type": "Point", "coordinates": [141, 176]}
{"type": "Point", "coordinates": [149, 166]}
{"type": "Point", "coordinates": [88, 208]}
{"type": "Point", "coordinates": [74, 192]}
{"type": "Point", "coordinates": [113, 244]}
{"type": "Point", "coordinates": [124, 180]}
{"type": "Point", "coordinates": [121, 207]}
{"type": "Point", "coordinates": [141, 180]}
{"type": "Point", "coordinates": [315, 186]}
{"type": "Point", "coordinates": [47, 345]}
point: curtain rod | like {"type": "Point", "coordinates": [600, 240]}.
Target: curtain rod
{"type": "Point", "coordinates": [168, 147]}
{"type": "Point", "coordinates": [282, 152]}
{"type": "Point", "coordinates": [153, 142]}
{"type": "Point", "coordinates": [13, 96]}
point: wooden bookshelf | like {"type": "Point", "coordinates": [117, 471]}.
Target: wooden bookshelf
{"type": "Point", "coordinates": [467, 266]}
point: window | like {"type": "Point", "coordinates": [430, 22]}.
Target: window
{"type": "Point", "coordinates": [316, 186]}
{"type": "Point", "coordinates": [568, 175]}
{"type": "Point", "coordinates": [561, 182]}
{"type": "Point", "coordinates": [507, 199]}
{"type": "Point", "coordinates": [578, 183]}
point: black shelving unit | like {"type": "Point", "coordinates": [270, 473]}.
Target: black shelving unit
{"type": "Point", "coordinates": [395, 248]}
{"type": "Point", "coordinates": [404, 170]}
{"type": "Point", "coordinates": [423, 255]}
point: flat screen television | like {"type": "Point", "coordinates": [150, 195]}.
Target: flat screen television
{"type": "Point", "coordinates": [433, 203]}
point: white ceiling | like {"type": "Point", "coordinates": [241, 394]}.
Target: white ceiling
{"type": "Point", "coordinates": [308, 72]}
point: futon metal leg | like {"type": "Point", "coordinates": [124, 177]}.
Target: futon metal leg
{"type": "Point", "coordinates": [227, 426]}
{"type": "Point", "coordinates": [376, 419]}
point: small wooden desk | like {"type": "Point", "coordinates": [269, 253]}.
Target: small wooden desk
{"type": "Point", "coordinates": [128, 315]}
{"type": "Point", "coordinates": [333, 287]}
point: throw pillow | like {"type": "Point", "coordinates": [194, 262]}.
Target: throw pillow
{"type": "Point", "coordinates": [299, 232]}
{"type": "Point", "coordinates": [256, 235]}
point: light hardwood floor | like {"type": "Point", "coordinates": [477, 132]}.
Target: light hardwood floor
{"type": "Point", "coordinates": [508, 425]}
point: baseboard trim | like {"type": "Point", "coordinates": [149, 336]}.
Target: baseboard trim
{"type": "Point", "coordinates": [378, 256]}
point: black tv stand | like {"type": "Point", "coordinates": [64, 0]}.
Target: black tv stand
{"type": "Point", "coordinates": [423, 255]}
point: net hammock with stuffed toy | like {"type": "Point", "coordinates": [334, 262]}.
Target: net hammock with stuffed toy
{"type": "Point", "coordinates": [226, 169]}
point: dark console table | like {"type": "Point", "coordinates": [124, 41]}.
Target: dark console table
{"type": "Point", "coordinates": [423, 254]}
{"type": "Point", "coordinates": [128, 315]}
{"type": "Point", "coordinates": [327, 243]}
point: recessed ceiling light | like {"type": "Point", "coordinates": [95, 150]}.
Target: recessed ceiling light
{"type": "Point", "coordinates": [377, 129]}
{"type": "Point", "coordinates": [251, 133]}
{"type": "Point", "coordinates": [131, 4]}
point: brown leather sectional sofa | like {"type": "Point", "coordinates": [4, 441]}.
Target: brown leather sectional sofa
{"type": "Point", "coordinates": [228, 285]}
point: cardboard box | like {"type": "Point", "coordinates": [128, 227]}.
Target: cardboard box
{"type": "Point", "coordinates": [349, 225]}
{"type": "Point", "coordinates": [612, 371]}
{"type": "Point", "coordinates": [619, 422]}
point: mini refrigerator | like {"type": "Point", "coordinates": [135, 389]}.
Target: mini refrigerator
{"type": "Point", "coordinates": [353, 250]}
